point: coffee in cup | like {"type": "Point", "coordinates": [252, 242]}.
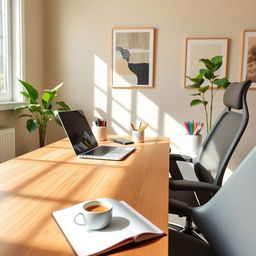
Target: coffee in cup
{"type": "Point", "coordinates": [96, 214]}
{"type": "Point", "coordinates": [97, 208]}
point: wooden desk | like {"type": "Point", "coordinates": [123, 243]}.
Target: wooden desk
{"type": "Point", "coordinates": [51, 178]}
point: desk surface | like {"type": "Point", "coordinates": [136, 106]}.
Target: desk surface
{"type": "Point", "coordinates": [51, 178]}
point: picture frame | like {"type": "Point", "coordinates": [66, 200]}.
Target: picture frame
{"type": "Point", "coordinates": [206, 48]}
{"type": "Point", "coordinates": [132, 57]}
{"type": "Point", "coordinates": [248, 66]}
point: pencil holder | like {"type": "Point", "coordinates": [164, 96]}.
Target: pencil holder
{"type": "Point", "coordinates": [192, 143]}
{"type": "Point", "coordinates": [100, 132]}
{"type": "Point", "coordinates": [138, 136]}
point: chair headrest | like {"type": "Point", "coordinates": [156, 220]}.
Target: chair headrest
{"type": "Point", "coordinates": [233, 96]}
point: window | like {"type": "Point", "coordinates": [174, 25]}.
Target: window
{"type": "Point", "coordinates": [10, 50]}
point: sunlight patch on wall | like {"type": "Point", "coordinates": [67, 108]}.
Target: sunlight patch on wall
{"type": "Point", "coordinates": [175, 131]}
{"type": "Point", "coordinates": [121, 118]}
{"type": "Point", "coordinates": [147, 111]}
{"type": "Point", "coordinates": [123, 97]}
{"type": "Point", "coordinates": [100, 102]}
{"type": "Point", "coordinates": [100, 73]}
{"type": "Point", "coordinates": [100, 88]}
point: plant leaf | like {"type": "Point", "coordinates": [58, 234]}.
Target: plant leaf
{"type": "Point", "coordinates": [49, 95]}
{"type": "Point", "coordinates": [196, 79]}
{"type": "Point", "coordinates": [197, 102]}
{"type": "Point", "coordinates": [197, 85]}
{"type": "Point", "coordinates": [31, 125]}
{"type": "Point", "coordinates": [34, 107]}
{"type": "Point", "coordinates": [222, 83]}
{"type": "Point", "coordinates": [209, 65]}
{"type": "Point", "coordinates": [217, 60]}
{"type": "Point", "coordinates": [48, 112]}
{"type": "Point", "coordinates": [32, 92]}
{"type": "Point", "coordinates": [204, 89]}
{"type": "Point", "coordinates": [206, 73]}
{"type": "Point", "coordinates": [63, 105]}
{"type": "Point", "coordinates": [25, 94]}
{"type": "Point", "coordinates": [56, 88]}
{"type": "Point", "coordinates": [195, 94]}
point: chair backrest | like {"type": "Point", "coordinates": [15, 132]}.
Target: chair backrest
{"type": "Point", "coordinates": [227, 219]}
{"type": "Point", "coordinates": [225, 134]}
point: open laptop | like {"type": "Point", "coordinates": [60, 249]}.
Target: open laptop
{"type": "Point", "coordinates": [83, 141]}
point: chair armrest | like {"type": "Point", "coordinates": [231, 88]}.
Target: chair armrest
{"type": "Point", "coordinates": [174, 168]}
{"type": "Point", "coordinates": [179, 208]}
{"type": "Point", "coordinates": [178, 157]}
{"type": "Point", "coordinates": [187, 185]}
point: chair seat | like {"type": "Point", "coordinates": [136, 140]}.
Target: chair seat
{"type": "Point", "coordinates": [181, 244]}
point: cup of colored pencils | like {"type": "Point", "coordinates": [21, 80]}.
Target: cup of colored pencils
{"type": "Point", "coordinates": [193, 139]}
{"type": "Point", "coordinates": [193, 128]}
{"type": "Point", "coordinates": [138, 133]}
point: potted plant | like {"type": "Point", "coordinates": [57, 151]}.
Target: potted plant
{"type": "Point", "coordinates": [41, 112]}
{"type": "Point", "coordinates": [208, 74]}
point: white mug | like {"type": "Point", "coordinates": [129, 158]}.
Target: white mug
{"type": "Point", "coordinates": [96, 214]}
{"type": "Point", "coordinates": [138, 136]}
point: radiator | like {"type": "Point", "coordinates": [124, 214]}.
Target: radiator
{"type": "Point", "coordinates": [7, 144]}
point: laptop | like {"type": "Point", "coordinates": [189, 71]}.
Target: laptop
{"type": "Point", "coordinates": [83, 141]}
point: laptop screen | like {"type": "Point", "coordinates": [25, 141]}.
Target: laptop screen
{"type": "Point", "coordinates": [78, 130]}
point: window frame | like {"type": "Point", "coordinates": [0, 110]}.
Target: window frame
{"type": "Point", "coordinates": [15, 54]}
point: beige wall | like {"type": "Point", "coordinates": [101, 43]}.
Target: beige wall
{"type": "Point", "coordinates": [78, 52]}
{"type": "Point", "coordinates": [70, 41]}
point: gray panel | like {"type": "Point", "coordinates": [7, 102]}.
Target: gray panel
{"type": "Point", "coordinates": [227, 220]}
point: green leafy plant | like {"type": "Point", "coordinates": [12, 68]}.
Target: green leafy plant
{"type": "Point", "coordinates": [41, 112]}
{"type": "Point", "coordinates": [208, 74]}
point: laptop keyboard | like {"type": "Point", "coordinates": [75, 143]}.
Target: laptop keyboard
{"type": "Point", "coordinates": [101, 151]}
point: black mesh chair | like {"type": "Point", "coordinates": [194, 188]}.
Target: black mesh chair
{"type": "Point", "coordinates": [224, 219]}
{"type": "Point", "coordinates": [213, 156]}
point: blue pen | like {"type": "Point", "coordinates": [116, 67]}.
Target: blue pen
{"type": "Point", "coordinates": [190, 128]}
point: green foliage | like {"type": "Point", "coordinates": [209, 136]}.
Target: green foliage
{"type": "Point", "coordinates": [207, 74]}
{"type": "Point", "coordinates": [41, 112]}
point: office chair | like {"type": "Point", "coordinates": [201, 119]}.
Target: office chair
{"type": "Point", "coordinates": [224, 219]}
{"type": "Point", "coordinates": [213, 156]}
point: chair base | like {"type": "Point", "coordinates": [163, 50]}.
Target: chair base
{"type": "Point", "coordinates": [188, 229]}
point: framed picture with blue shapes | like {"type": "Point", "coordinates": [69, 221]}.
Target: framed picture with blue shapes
{"type": "Point", "coordinates": [132, 57]}
{"type": "Point", "coordinates": [248, 67]}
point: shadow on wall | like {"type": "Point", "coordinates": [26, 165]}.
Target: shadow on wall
{"type": "Point", "coordinates": [122, 106]}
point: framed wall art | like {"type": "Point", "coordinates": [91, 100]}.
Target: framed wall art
{"type": "Point", "coordinates": [203, 48]}
{"type": "Point", "coordinates": [132, 57]}
{"type": "Point", "coordinates": [248, 67]}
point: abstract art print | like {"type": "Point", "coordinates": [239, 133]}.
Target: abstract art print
{"type": "Point", "coordinates": [132, 57]}
{"type": "Point", "coordinates": [248, 70]}
{"type": "Point", "coordinates": [203, 48]}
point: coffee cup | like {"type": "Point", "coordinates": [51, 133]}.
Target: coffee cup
{"type": "Point", "coordinates": [96, 214]}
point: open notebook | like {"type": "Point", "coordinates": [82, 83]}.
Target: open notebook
{"type": "Point", "coordinates": [127, 226]}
